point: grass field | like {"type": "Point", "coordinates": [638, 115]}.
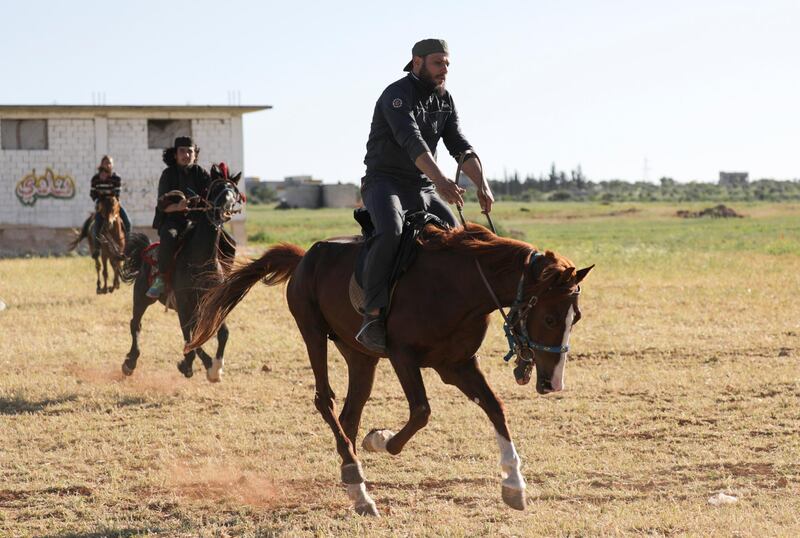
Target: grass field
{"type": "Point", "coordinates": [684, 381]}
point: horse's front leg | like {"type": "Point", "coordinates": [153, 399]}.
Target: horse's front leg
{"type": "Point", "coordinates": [185, 317]}
{"type": "Point", "coordinates": [105, 273]}
{"type": "Point", "coordinates": [115, 267]}
{"type": "Point", "coordinates": [214, 373]}
{"type": "Point", "coordinates": [471, 381]}
{"type": "Point", "coordinates": [97, 268]}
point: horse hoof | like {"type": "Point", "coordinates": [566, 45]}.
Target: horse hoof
{"type": "Point", "coordinates": [515, 498]}
{"type": "Point", "coordinates": [214, 374]}
{"type": "Point", "coordinates": [186, 371]}
{"type": "Point", "coordinates": [375, 441]}
{"type": "Point", "coordinates": [127, 370]}
{"type": "Point", "coordinates": [367, 509]}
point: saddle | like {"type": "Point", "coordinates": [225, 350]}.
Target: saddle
{"type": "Point", "coordinates": [413, 224]}
{"type": "Point", "coordinates": [150, 257]}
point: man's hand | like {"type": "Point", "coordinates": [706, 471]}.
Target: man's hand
{"type": "Point", "coordinates": [486, 199]}
{"type": "Point", "coordinates": [450, 192]}
{"type": "Point", "coordinates": [180, 207]}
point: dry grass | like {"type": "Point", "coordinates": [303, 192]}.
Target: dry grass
{"type": "Point", "coordinates": [685, 382]}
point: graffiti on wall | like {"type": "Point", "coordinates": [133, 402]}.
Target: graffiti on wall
{"type": "Point", "coordinates": [32, 187]}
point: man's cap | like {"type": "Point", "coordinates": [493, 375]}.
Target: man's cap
{"type": "Point", "coordinates": [425, 47]}
{"type": "Point", "coordinates": [184, 142]}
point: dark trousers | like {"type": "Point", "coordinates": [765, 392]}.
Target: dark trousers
{"type": "Point", "coordinates": [168, 236]}
{"type": "Point", "coordinates": [388, 201]}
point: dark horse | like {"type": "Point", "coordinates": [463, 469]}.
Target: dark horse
{"type": "Point", "coordinates": [438, 318]}
{"type": "Point", "coordinates": [199, 264]}
{"type": "Point", "coordinates": [112, 241]}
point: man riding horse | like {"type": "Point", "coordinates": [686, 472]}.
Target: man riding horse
{"type": "Point", "coordinates": [181, 182]}
{"type": "Point", "coordinates": [105, 183]}
{"type": "Point", "coordinates": [402, 175]}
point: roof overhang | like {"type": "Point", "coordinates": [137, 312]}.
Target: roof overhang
{"type": "Point", "coordinates": [119, 111]}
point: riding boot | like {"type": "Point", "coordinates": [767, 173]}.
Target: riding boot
{"type": "Point", "coordinates": [372, 334]}
{"type": "Point", "coordinates": [156, 289]}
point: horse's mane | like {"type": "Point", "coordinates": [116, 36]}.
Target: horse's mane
{"type": "Point", "coordinates": [498, 254]}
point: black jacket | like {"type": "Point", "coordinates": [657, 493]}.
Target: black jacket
{"type": "Point", "coordinates": [108, 187]}
{"type": "Point", "coordinates": [409, 119]}
{"type": "Point", "coordinates": [191, 180]}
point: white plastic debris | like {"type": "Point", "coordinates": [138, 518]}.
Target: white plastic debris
{"type": "Point", "coordinates": [721, 498]}
{"type": "Point", "coordinates": [2, 305]}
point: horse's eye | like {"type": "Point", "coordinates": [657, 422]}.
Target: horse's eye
{"type": "Point", "coordinates": [550, 321]}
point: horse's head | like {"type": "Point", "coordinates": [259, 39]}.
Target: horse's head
{"type": "Point", "coordinates": [553, 312]}
{"type": "Point", "coordinates": [223, 196]}
{"type": "Point", "coordinates": [108, 207]}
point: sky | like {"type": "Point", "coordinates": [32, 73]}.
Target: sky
{"type": "Point", "coordinates": [626, 89]}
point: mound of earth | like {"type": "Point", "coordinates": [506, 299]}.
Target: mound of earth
{"type": "Point", "coordinates": [720, 211]}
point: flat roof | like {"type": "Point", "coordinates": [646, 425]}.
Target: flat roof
{"type": "Point", "coordinates": [231, 109]}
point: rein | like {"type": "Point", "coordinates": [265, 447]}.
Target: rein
{"type": "Point", "coordinates": [514, 323]}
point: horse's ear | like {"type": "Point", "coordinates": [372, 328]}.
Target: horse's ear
{"type": "Point", "coordinates": [566, 274]}
{"type": "Point", "coordinates": [581, 274]}
{"type": "Point", "coordinates": [214, 171]}
{"type": "Point", "coordinates": [235, 179]}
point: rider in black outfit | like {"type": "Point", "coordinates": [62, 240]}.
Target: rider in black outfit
{"type": "Point", "coordinates": [410, 117]}
{"type": "Point", "coordinates": [182, 175]}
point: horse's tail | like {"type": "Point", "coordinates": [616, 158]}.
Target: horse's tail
{"type": "Point", "coordinates": [276, 265]}
{"type": "Point", "coordinates": [80, 236]}
{"type": "Point", "coordinates": [132, 261]}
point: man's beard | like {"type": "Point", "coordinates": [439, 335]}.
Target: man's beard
{"type": "Point", "coordinates": [427, 79]}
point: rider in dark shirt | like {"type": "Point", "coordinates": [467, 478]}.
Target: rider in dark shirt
{"type": "Point", "coordinates": [182, 179]}
{"type": "Point", "coordinates": [106, 182]}
{"type": "Point", "coordinates": [402, 175]}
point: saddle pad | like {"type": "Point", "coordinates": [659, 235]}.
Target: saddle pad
{"type": "Point", "coordinates": [404, 258]}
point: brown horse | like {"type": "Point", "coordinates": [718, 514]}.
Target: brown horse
{"type": "Point", "coordinates": [438, 318]}
{"type": "Point", "coordinates": [112, 241]}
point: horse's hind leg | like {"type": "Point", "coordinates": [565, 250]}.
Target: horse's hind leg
{"type": "Point", "coordinates": [471, 381]}
{"type": "Point", "coordinates": [418, 407]}
{"type": "Point", "coordinates": [140, 304]}
{"type": "Point", "coordinates": [313, 329]}
{"type": "Point", "coordinates": [361, 375]}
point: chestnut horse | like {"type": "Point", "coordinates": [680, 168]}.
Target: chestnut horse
{"type": "Point", "coordinates": [112, 241]}
{"type": "Point", "coordinates": [438, 318]}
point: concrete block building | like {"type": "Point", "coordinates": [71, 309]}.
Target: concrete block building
{"type": "Point", "coordinates": [48, 154]}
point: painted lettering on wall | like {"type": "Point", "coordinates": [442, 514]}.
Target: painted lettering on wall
{"type": "Point", "coordinates": [32, 187]}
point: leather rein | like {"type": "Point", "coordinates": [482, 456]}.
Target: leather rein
{"type": "Point", "coordinates": [515, 322]}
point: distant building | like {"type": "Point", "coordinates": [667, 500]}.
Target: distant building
{"type": "Point", "coordinates": [733, 179]}
{"type": "Point", "coordinates": [48, 154]}
{"type": "Point", "coordinates": [307, 192]}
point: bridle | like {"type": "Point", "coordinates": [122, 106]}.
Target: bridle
{"type": "Point", "coordinates": [216, 215]}
{"type": "Point", "coordinates": [515, 327]}
{"type": "Point", "coordinates": [515, 322]}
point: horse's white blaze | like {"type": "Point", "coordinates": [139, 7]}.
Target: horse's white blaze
{"type": "Point", "coordinates": [358, 494]}
{"type": "Point", "coordinates": [558, 374]}
{"type": "Point", "coordinates": [214, 373]}
{"type": "Point", "coordinates": [509, 463]}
